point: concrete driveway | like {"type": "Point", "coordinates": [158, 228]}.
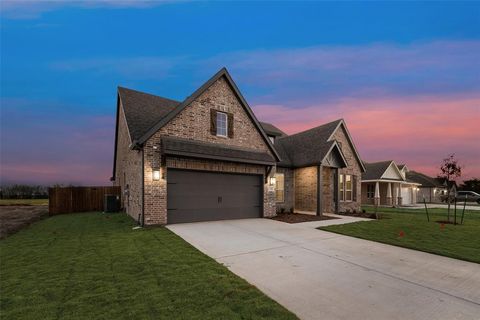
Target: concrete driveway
{"type": "Point", "coordinates": [321, 275]}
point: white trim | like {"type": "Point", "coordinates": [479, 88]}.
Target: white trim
{"type": "Point", "coordinates": [395, 166]}
{"type": "Point", "coordinates": [393, 181]}
{"type": "Point", "coordinates": [226, 124]}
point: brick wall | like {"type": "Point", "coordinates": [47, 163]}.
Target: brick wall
{"type": "Point", "coordinates": [128, 170]}
{"type": "Point", "coordinates": [289, 195]}
{"type": "Point", "coordinates": [365, 200]}
{"type": "Point", "coordinates": [194, 123]}
{"type": "Point", "coordinates": [328, 200]}
{"type": "Point", "coordinates": [305, 181]}
{"type": "Point", "coordinates": [353, 168]}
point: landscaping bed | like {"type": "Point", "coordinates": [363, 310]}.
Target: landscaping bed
{"type": "Point", "coordinates": [299, 217]}
{"type": "Point", "coordinates": [95, 266]}
{"type": "Point", "coordinates": [15, 218]}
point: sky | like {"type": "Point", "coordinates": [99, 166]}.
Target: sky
{"type": "Point", "coordinates": [405, 76]}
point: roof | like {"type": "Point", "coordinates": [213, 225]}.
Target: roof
{"type": "Point", "coordinates": [152, 112]}
{"type": "Point", "coordinates": [423, 179]}
{"type": "Point", "coordinates": [271, 130]}
{"type": "Point", "coordinates": [375, 170]}
{"type": "Point", "coordinates": [200, 149]}
{"type": "Point", "coordinates": [143, 110]}
{"type": "Point", "coordinates": [308, 147]}
{"type": "Point", "coordinates": [401, 166]}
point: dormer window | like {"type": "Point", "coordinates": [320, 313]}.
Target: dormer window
{"type": "Point", "coordinates": [272, 139]}
{"type": "Point", "coordinates": [222, 124]}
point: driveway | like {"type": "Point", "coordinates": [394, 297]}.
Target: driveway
{"type": "Point", "coordinates": [321, 275]}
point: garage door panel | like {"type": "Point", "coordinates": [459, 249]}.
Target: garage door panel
{"type": "Point", "coordinates": [202, 196]}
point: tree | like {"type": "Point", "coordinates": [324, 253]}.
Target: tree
{"type": "Point", "coordinates": [450, 170]}
{"type": "Point", "coordinates": [471, 185]}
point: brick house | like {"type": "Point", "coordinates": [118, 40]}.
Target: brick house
{"type": "Point", "coordinates": [209, 158]}
{"type": "Point", "coordinates": [322, 156]}
{"type": "Point", "coordinates": [387, 184]}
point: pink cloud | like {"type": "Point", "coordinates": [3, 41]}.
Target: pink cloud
{"type": "Point", "coordinates": [418, 131]}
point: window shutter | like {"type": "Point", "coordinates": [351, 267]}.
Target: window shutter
{"type": "Point", "coordinates": [213, 122]}
{"type": "Point", "coordinates": [354, 188]}
{"type": "Point", "coordinates": [230, 125]}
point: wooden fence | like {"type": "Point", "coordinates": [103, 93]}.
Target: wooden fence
{"type": "Point", "coordinates": [78, 199]}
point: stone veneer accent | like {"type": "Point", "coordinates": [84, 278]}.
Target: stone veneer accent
{"type": "Point", "coordinates": [194, 123]}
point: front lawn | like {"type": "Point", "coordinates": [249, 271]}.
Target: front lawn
{"type": "Point", "coordinates": [23, 202]}
{"type": "Point", "coordinates": [409, 228]}
{"type": "Point", "coordinates": [94, 266]}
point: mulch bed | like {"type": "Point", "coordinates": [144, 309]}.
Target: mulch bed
{"type": "Point", "coordinates": [14, 218]}
{"type": "Point", "coordinates": [299, 217]}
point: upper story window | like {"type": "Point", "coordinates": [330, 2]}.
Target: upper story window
{"type": "Point", "coordinates": [222, 124]}
{"type": "Point", "coordinates": [272, 139]}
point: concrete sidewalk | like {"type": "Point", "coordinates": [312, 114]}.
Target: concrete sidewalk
{"type": "Point", "coordinates": [321, 275]}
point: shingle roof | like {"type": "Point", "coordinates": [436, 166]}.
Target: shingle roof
{"type": "Point", "coordinates": [199, 149]}
{"type": "Point", "coordinates": [271, 130]}
{"type": "Point", "coordinates": [400, 166]}
{"type": "Point", "coordinates": [306, 148]}
{"type": "Point", "coordinates": [423, 179]}
{"type": "Point", "coordinates": [375, 170]}
{"type": "Point", "coordinates": [143, 110]}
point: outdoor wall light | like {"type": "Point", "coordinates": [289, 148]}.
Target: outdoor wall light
{"type": "Point", "coordinates": [156, 174]}
{"type": "Point", "coordinates": [273, 181]}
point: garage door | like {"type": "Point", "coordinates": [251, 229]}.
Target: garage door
{"type": "Point", "coordinates": [406, 196]}
{"type": "Point", "coordinates": [204, 196]}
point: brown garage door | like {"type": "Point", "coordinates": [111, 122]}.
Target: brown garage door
{"type": "Point", "coordinates": [205, 196]}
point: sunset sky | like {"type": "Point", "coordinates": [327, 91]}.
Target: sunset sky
{"type": "Point", "coordinates": [404, 76]}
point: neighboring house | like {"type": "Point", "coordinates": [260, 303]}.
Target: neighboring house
{"type": "Point", "coordinates": [385, 183]}
{"type": "Point", "coordinates": [209, 158]}
{"type": "Point", "coordinates": [322, 156]}
{"type": "Point", "coordinates": [431, 189]}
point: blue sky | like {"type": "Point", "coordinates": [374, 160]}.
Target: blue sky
{"type": "Point", "coordinates": [62, 61]}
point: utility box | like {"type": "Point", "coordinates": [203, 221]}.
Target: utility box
{"type": "Point", "coordinates": [111, 203]}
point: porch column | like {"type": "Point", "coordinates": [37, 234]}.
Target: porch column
{"type": "Point", "coordinates": [376, 199]}
{"type": "Point", "coordinates": [389, 194]}
{"type": "Point", "coordinates": [319, 191]}
{"type": "Point", "coordinates": [395, 195]}
{"type": "Point", "coordinates": [399, 195]}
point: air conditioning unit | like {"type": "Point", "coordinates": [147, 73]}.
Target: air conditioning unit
{"type": "Point", "coordinates": [111, 203]}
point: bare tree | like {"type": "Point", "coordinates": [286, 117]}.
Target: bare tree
{"type": "Point", "coordinates": [450, 169]}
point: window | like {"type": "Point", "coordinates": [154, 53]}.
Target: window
{"type": "Point", "coordinates": [345, 185]}
{"type": "Point", "coordinates": [348, 188]}
{"type": "Point", "coordinates": [341, 186]}
{"type": "Point", "coordinates": [280, 187]}
{"type": "Point", "coordinates": [272, 139]}
{"type": "Point", "coordinates": [222, 124]}
{"type": "Point", "coordinates": [370, 191]}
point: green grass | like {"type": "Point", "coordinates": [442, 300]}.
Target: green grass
{"type": "Point", "coordinates": [94, 266]}
{"type": "Point", "coordinates": [455, 241]}
{"type": "Point", "coordinates": [23, 202]}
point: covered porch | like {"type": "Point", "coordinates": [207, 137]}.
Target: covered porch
{"type": "Point", "coordinates": [383, 192]}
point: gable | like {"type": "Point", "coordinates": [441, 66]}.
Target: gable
{"type": "Point", "coordinates": [334, 158]}
{"type": "Point", "coordinates": [341, 135]}
{"type": "Point", "coordinates": [226, 94]}
{"type": "Point", "coordinates": [193, 121]}
{"type": "Point", "coordinates": [392, 172]}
